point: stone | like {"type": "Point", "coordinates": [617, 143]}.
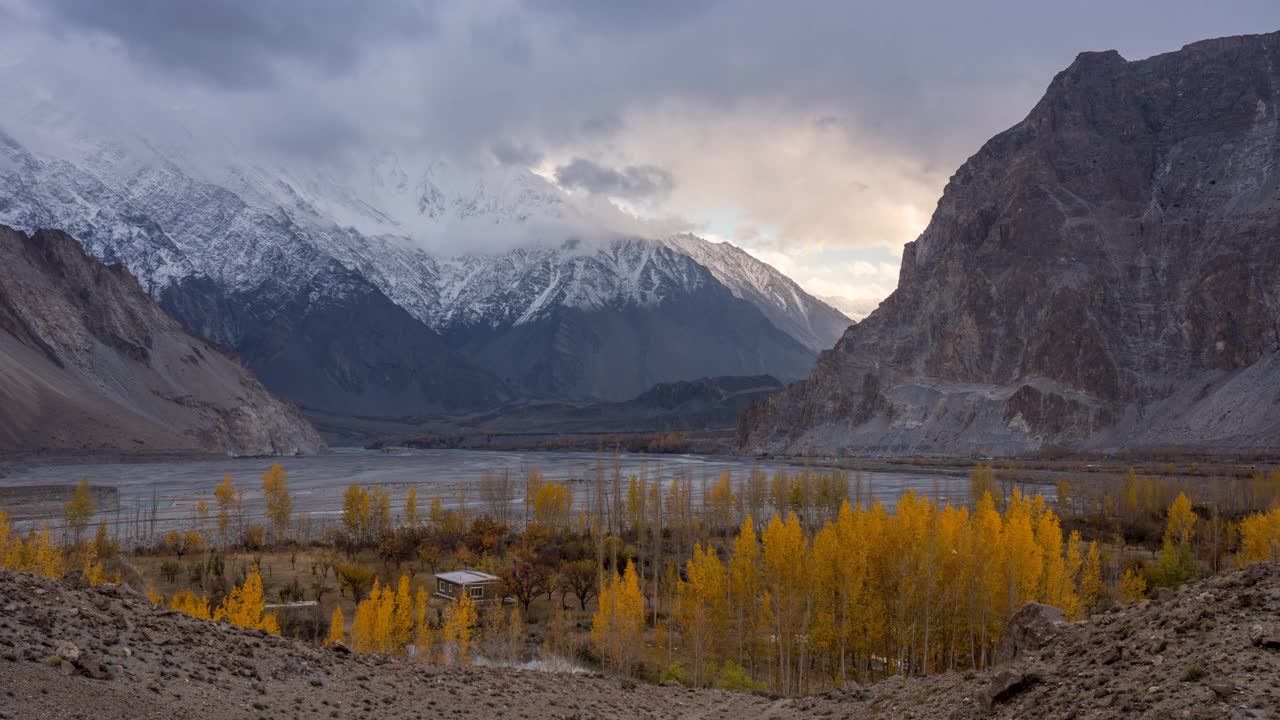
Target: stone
{"type": "Point", "coordinates": [1007, 683]}
{"type": "Point", "coordinates": [67, 651]}
{"type": "Point", "coordinates": [1256, 633]}
{"type": "Point", "coordinates": [1110, 656]}
{"type": "Point", "coordinates": [1030, 629]}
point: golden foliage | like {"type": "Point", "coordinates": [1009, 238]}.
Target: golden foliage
{"type": "Point", "coordinates": [337, 627]}
{"type": "Point", "coordinates": [79, 510]}
{"type": "Point", "coordinates": [460, 628]}
{"type": "Point", "coordinates": [246, 606]}
{"type": "Point", "coordinates": [618, 623]}
{"type": "Point", "coordinates": [279, 506]}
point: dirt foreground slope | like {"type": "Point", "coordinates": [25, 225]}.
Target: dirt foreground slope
{"type": "Point", "coordinates": [1208, 650]}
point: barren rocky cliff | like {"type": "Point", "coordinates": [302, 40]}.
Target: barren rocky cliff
{"type": "Point", "coordinates": [1206, 650]}
{"type": "Point", "coordinates": [88, 361]}
{"type": "Point", "coordinates": [1105, 274]}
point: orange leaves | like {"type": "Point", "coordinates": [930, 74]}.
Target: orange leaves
{"type": "Point", "coordinates": [246, 606]}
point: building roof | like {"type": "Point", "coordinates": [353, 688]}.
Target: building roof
{"type": "Point", "coordinates": [467, 577]}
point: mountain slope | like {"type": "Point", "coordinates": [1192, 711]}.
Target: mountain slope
{"type": "Point", "coordinates": [802, 316]}
{"type": "Point", "coordinates": [122, 658]}
{"type": "Point", "coordinates": [314, 330]}
{"type": "Point", "coordinates": [320, 277]}
{"type": "Point", "coordinates": [90, 362]}
{"type": "Point", "coordinates": [611, 323]}
{"type": "Point", "coordinates": [1104, 274]}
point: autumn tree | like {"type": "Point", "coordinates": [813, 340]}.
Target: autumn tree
{"type": "Point", "coordinates": [411, 507]}
{"type": "Point", "coordinates": [579, 577]}
{"type": "Point", "coordinates": [784, 580]}
{"type": "Point", "coordinates": [526, 579]}
{"type": "Point", "coordinates": [1133, 585]}
{"type": "Point", "coordinates": [246, 606]}
{"type": "Point", "coordinates": [186, 601]}
{"type": "Point", "coordinates": [1177, 557]}
{"type": "Point", "coordinates": [744, 591]}
{"type": "Point", "coordinates": [1091, 579]}
{"type": "Point", "coordinates": [356, 578]}
{"type": "Point", "coordinates": [279, 506]}
{"type": "Point", "coordinates": [355, 511]}
{"type": "Point", "coordinates": [337, 627]}
{"type": "Point", "coordinates": [702, 606]}
{"type": "Point", "coordinates": [618, 622]}
{"type": "Point", "coordinates": [79, 511]}
{"type": "Point", "coordinates": [227, 498]}
{"type": "Point", "coordinates": [1260, 537]}
{"type": "Point", "coordinates": [459, 628]}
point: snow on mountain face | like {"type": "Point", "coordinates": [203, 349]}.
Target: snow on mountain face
{"type": "Point", "coordinates": [811, 321]}
{"type": "Point", "coordinates": [275, 241]}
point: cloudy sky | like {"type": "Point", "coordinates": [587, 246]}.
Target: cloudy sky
{"type": "Point", "coordinates": [818, 135]}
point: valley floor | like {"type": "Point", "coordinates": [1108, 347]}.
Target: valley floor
{"type": "Point", "coordinates": [1206, 650]}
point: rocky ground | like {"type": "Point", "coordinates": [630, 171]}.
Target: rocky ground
{"type": "Point", "coordinates": [1208, 650]}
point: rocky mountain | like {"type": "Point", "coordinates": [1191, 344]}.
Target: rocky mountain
{"type": "Point", "coordinates": [1208, 649]}
{"type": "Point", "coordinates": [802, 316]}
{"type": "Point", "coordinates": [248, 277]}
{"type": "Point", "coordinates": [89, 362]}
{"type": "Point", "coordinates": [1104, 274]}
{"type": "Point", "coordinates": [322, 282]}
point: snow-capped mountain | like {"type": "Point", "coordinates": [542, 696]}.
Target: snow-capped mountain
{"type": "Point", "coordinates": [325, 280]}
{"type": "Point", "coordinates": [796, 312]}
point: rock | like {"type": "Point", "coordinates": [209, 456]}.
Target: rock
{"type": "Point", "coordinates": [339, 647]}
{"type": "Point", "coordinates": [1129, 185]}
{"type": "Point", "coordinates": [1256, 633]}
{"type": "Point", "coordinates": [1222, 690]}
{"type": "Point", "coordinates": [1030, 629]}
{"type": "Point", "coordinates": [67, 651]}
{"type": "Point", "coordinates": [1007, 683]}
{"type": "Point", "coordinates": [1110, 656]}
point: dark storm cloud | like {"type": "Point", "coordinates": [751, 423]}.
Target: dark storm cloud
{"type": "Point", "coordinates": [237, 43]}
{"type": "Point", "coordinates": [635, 182]}
{"type": "Point", "coordinates": [623, 15]}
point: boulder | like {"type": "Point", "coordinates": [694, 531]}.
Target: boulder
{"type": "Point", "coordinates": [1030, 629]}
{"type": "Point", "coordinates": [1007, 683]}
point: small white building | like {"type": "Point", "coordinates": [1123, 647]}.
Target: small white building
{"type": "Point", "coordinates": [479, 586]}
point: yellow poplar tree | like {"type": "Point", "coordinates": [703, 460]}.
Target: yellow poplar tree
{"type": "Point", "coordinates": [1091, 579]}
{"type": "Point", "coordinates": [279, 505]}
{"type": "Point", "coordinates": [1177, 557]}
{"type": "Point", "coordinates": [1133, 585]}
{"type": "Point", "coordinates": [744, 590]}
{"type": "Point", "coordinates": [701, 606]}
{"type": "Point", "coordinates": [185, 601]}
{"type": "Point", "coordinates": [225, 495]}
{"type": "Point", "coordinates": [355, 510]}
{"type": "Point", "coordinates": [411, 507]}
{"type": "Point", "coordinates": [79, 511]}
{"type": "Point", "coordinates": [618, 623]}
{"type": "Point", "coordinates": [1260, 537]}
{"type": "Point", "coordinates": [246, 606]}
{"type": "Point", "coordinates": [460, 627]}
{"type": "Point", "coordinates": [337, 627]}
{"type": "Point", "coordinates": [783, 567]}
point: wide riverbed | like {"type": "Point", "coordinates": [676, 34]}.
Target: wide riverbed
{"type": "Point", "coordinates": [316, 483]}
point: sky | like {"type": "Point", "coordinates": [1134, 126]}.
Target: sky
{"type": "Point", "coordinates": [817, 135]}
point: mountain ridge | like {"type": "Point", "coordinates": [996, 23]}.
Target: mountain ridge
{"type": "Point", "coordinates": [91, 362]}
{"type": "Point", "coordinates": [1101, 275]}
{"type": "Point", "coordinates": [228, 255]}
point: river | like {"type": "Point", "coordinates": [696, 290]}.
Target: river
{"type": "Point", "coordinates": [316, 483]}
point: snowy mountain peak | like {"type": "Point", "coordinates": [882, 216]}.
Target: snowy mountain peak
{"type": "Point", "coordinates": [811, 321]}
